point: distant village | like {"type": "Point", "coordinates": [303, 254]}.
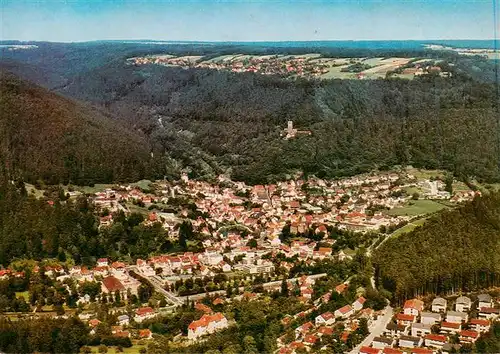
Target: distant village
{"type": "Point", "coordinates": [306, 65]}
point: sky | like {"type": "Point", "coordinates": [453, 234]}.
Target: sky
{"type": "Point", "coordinates": [250, 20]}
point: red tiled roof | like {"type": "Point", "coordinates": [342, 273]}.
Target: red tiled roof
{"type": "Point", "coordinates": [327, 315]}
{"type": "Point", "coordinates": [205, 320]}
{"type": "Point", "coordinates": [345, 309]}
{"type": "Point", "coordinates": [144, 311]}
{"type": "Point", "coordinates": [479, 321]}
{"type": "Point", "coordinates": [436, 337]}
{"type": "Point", "coordinates": [421, 351]}
{"type": "Point", "coordinates": [310, 338]}
{"type": "Point", "coordinates": [469, 333]}
{"type": "Point", "coordinates": [414, 304]}
{"type": "Point", "coordinates": [144, 333]}
{"type": "Point", "coordinates": [341, 288]}
{"type": "Point", "coordinates": [201, 307]}
{"type": "Point", "coordinates": [112, 284]}
{"type": "Point", "coordinates": [369, 350]}
{"type": "Point", "coordinates": [325, 330]}
{"type": "Point", "coordinates": [403, 317]}
{"type": "Point", "coordinates": [388, 350]}
{"type": "Point", "coordinates": [361, 300]}
{"type": "Point", "coordinates": [489, 310]}
{"type": "Point", "coordinates": [450, 325]}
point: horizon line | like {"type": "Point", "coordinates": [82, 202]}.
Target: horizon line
{"type": "Point", "coordinates": [250, 41]}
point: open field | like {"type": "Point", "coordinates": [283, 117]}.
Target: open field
{"type": "Point", "coordinates": [144, 184]}
{"type": "Point", "coordinates": [424, 174]}
{"type": "Point", "coordinates": [96, 188]}
{"type": "Point", "coordinates": [409, 227]}
{"type": "Point", "coordinates": [336, 73]}
{"type": "Point", "coordinates": [417, 207]}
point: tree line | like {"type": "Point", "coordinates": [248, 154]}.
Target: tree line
{"type": "Point", "coordinates": [457, 250]}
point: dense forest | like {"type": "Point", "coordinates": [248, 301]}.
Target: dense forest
{"type": "Point", "coordinates": [456, 250]}
{"type": "Point", "coordinates": [51, 138]}
{"type": "Point", "coordinates": [212, 122]}
{"type": "Point", "coordinates": [54, 227]}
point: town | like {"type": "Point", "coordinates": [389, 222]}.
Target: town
{"type": "Point", "coordinates": [243, 243]}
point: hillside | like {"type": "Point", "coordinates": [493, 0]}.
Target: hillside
{"type": "Point", "coordinates": [47, 137]}
{"type": "Point", "coordinates": [213, 121]}
{"type": "Point", "coordinates": [234, 121]}
{"type": "Point", "coordinates": [457, 250]}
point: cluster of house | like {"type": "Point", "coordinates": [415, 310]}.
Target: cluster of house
{"type": "Point", "coordinates": [425, 332]}
{"type": "Point", "coordinates": [421, 69]}
{"type": "Point", "coordinates": [310, 333]}
{"type": "Point", "coordinates": [120, 330]}
{"type": "Point", "coordinates": [267, 65]}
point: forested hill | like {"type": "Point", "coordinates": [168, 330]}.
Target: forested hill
{"type": "Point", "coordinates": [456, 250]}
{"type": "Point", "coordinates": [234, 120]}
{"type": "Point", "coordinates": [47, 137]}
{"type": "Point", "coordinates": [212, 121]}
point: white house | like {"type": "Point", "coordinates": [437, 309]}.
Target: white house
{"type": "Point", "coordinates": [413, 307]}
{"type": "Point", "coordinates": [326, 318]}
{"type": "Point", "coordinates": [420, 329]}
{"type": "Point", "coordinates": [382, 342]}
{"type": "Point", "coordinates": [410, 342]}
{"type": "Point", "coordinates": [144, 313]}
{"type": "Point", "coordinates": [396, 330]}
{"type": "Point", "coordinates": [439, 305]}
{"type": "Point", "coordinates": [480, 325]}
{"type": "Point", "coordinates": [463, 304]}
{"type": "Point", "coordinates": [456, 317]}
{"type": "Point", "coordinates": [123, 320]}
{"type": "Point", "coordinates": [344, 312]}
{"type": "Point", "coordinates": [207, 324]}
{"type": "Point", "coordinates": [102, 262]}
{"type": "Point", "coordinates": [358, 304]}
{"type": "Point", "coordinates": [430, 318]}
{"type": "Point", "coordinates": [484, 300]}
{"type": "Point", "coordinates": [469, 336]}
{"type": "Point", "coordinates": [435, 340]}
{"type": "Point", "coordinates": [489, 313]}
{"type": "Point", "coordinates": [449, 327]}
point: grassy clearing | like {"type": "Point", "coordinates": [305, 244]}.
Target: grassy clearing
{"type": "Point", "coordinates": [460, 186]}
{"type": "Point", "coordinates": [144, 184]}
{"type": "Point", "coordinates": [417, 207]}
{"type": "Point", "coordinates": [23, 294]}
{"type": "Point", "coordinates": [424, 174]}
{"type": "Point", "coordinates": [96, 188]}
{"type": "Point", "coordinates": [409, 227]}
{"type": "Point", "coordinates": [411, 190]}
{"type": "Point", "coordinates": [335, 73]}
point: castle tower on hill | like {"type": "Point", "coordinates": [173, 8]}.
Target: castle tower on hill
{"type": "Point", "coordinates": [291, 132]}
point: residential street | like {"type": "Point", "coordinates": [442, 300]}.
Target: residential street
{"type": "Point", "coordinates": [377, 329]}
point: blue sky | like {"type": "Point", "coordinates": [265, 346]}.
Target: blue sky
{"type": "Point", "coordinates": [251, 20]}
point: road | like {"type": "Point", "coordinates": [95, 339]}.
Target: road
{"type": "Point", "coordinates": [271, 284]}
{"type": "Point", "coordinates": [376, 329]}
{"type": "Point", "coordinates": [158, 284]}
